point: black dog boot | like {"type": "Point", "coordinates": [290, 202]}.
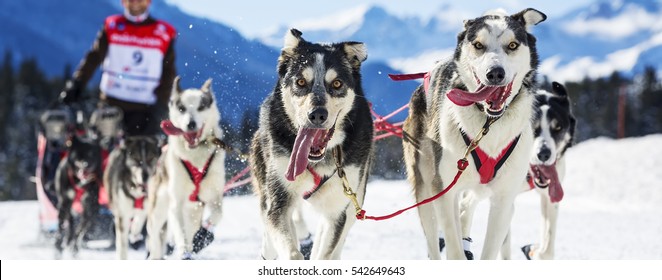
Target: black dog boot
{"type": "Point", "coordinates": [442, 244]}
{"type": "Point", "coordinates": [466, 243]}
{"type": "Point", "coordinates": [306, 247]}
{"type": "Point", "coordinates": [137, 242]}
{"type": "Point", "coordinates": [202, 239]}
{"type": "Point", "coordinates": [527, 251]}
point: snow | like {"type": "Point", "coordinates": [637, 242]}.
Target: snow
{"type": "Point", "coordinates": [611, 211]}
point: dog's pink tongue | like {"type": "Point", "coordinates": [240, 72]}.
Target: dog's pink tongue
{"type": "Point", "coordinates": [464, 98]}
{"type": "Point", "coordinates": [555, 189]}
{"type": "Point", "coordinates": [300, 151]}
{"type": "Point", "coordinates": [170, 129]}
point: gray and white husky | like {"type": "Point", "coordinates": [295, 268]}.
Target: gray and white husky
{"type": "Point", "coordinates": [129, 168]}
{"type": "Point", "coordinates": [491, 77]}
{"type": "Point", "coordinates": [191, 175]}
{"type": "Point", "coordinates": [316, 108]}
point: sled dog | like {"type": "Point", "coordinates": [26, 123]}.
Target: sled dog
{"type": "Point", "coordinates": [191, 173]}
{"type": "Point", "coordinates": [489, 82]}
{"type": "Point", "coordinates": [315, 116]}
{"type": "Point", "coordinates": [77, 180]}
{"type": "Point", "coordinates": [129, 167]}
{"type": "Point", "coordinates": [554, 131]}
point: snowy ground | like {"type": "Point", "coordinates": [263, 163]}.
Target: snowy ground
{"type": "Point", "coordinates": [612, 210]}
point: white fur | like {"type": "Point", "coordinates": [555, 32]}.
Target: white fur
{"type": "Point", "coordinates": [185, 217]}
{"type": "Point", "coordinates": [515, 121]}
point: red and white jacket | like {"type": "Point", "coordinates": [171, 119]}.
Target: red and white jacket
{"type": "Point", "coordinates": [138, 61]}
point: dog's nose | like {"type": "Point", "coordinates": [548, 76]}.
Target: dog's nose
{"type": "Point", "coordinates": [496, 75]}
{"type": "Point", "coordinates": [191, 125]}
{"type": "Point", "coordinates": [318, 116]}
{"type": "Point", "coordinates": [544, 154]}
{"type": "Point", "coordinates": [145, 176]}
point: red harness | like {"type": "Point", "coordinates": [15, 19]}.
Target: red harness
{"type": "Point", "coordinates": [80, 190]}
{"type": "Point", "coordinates": [138, 203]}
{"type": "Point", "coordinates": [317, 179]}
{"type": "Point", "coordinates": [197, 175]}
{"type": "Point", "coordinates": [487, 166]}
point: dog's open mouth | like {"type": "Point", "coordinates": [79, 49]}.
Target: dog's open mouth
{"type": "Point", "coordinates": [497, 98]}
{"type": "Point", "coordinates": [191, 137]}
{"type": "Point", "coordinates": [309, 146]}
{"type": "Point", "coordinates": [546, 176]}
{"type": "Point", "coordinates": [85, 176]}
{"type": "Point", "coordinates": [494, 96]}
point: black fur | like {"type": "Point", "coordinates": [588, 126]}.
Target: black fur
{"type": "Point", "coordinates": [81, 151]}
{"type": "Point", "coordinates": [277, 133]}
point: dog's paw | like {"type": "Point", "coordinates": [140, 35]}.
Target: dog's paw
{"type": "Point", "coordinates": [442, 244]}
{"type": "Point", "coordinates": [528, 251]}
{"type": "Point", "coordinates": [469, 255]}
{"type": "Point", "coordinates": [466, 243]}
{"type": "Point", "coordinates": [202, 239]}
{"type": "Point", "coordinates": [187, 256]}
{"type": "Point", "coordinates": [169, 249]}
{"type": "Point", "coordinates": [306, 247]}
{"type": "Point", "coordinates": [137, 242]}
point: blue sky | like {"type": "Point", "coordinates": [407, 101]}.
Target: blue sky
{"type": "Point", "coordinates": [251, 17]}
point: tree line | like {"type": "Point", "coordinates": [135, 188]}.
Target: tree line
{"type": "Point", "coordinates": [26, 91]}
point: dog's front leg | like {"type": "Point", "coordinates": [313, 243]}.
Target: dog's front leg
{"type": "Point", "coordinates": [550, 212]}
{"type": "Point", "coordinates": [176, 225]}
{"type": "Point", "coordinates": [450, 224]}
{"type": "Point", "coordinates": [215, 211]}
{"type": "Point", "coordinates": [276, 209]}
{"type": "Point", "coordinates": [498, 225]}
{"type": "Point", "coordinates": [137, 224]}
{"type": "Point", "coordinates": [192, 220]}
{"type": "Point", "coordinates": [121, 236]}
{"type": "Point", "coordinates": [63, 216]}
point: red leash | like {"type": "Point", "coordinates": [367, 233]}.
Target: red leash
{"type": "Point", "coordinates": [461, 166]}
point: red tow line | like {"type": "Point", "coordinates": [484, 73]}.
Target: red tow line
{"type": "Point", "coordinates": [461, 166]}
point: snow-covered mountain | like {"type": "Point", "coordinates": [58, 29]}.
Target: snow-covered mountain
{"type": "Point", "coordinates": [594, 41]}
{"type": "Point", "coordinates": [622, 35]}
{"type": "Point", "coordinates": [58, 33]}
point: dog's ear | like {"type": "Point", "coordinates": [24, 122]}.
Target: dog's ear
{"type": "Point", "coordinates": [356, 53]}
{"type": "Point", "coordinates": [292, 40]}
{"type": "Point", "coordinates": [467, 23]}
{"type": "Point", "coordinates": [529, 17]}
{"type": "Point", "coordinates": [176, 87]}
{"type": "Point", "coordinates": [206, 87]}
{"type": "Point", "coordinates": [559, 89]}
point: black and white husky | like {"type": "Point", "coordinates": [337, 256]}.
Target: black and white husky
{"type": "Point", "coordinates": [129, 167]}
{"type": "Point", "coordinates": [316, 109]}
{"type": "Point", "coordinates": [491, 77]}
{"type": "Point", "coordinates": [77, 183]}
{"type": "Point", "coordinates": [554, 130]}
{"type": "Point", "coordinates": [191, 175]}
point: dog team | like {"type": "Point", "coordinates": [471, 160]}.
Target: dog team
{"type": "Point", "coordinates": [478, 128]}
